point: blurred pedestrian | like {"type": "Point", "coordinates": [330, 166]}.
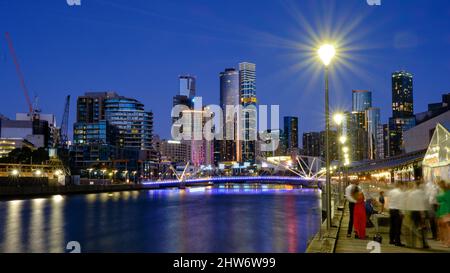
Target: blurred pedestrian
{"type": "Point", "coordinates": [432, 190]}
{"type": "Point", "coordinates": [395, 207]}
{"type": "Point", "coordinates": [417, 204]}
{"type": "Point", "coordinates": [359, 214]}
{"type": "Point", "coordinates": [443, 213]}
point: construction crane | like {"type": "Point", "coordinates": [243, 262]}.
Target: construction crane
{"type": "Point", "coordinates": [65, 125]}
{"type": "Point", "coordinates": [33, 114]}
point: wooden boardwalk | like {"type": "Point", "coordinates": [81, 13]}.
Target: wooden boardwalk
{"type": "Point", "coordinates": [352, 245]}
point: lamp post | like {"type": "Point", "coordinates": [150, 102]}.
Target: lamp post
{"type": "Point", "coordinates": [326, 53]}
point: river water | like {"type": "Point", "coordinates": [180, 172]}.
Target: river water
{"type": "Point", "coordinates": [233, 218]}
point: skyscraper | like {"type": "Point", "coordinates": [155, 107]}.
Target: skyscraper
{"type": "Point", "coordinates": [247, 84]}
{"type": "Point", "coordinates": [229, 149]}
{"type": "Point", "coordinates": [402, 95]}
{"type": "Point", "coordinates": [361, 100]}
{"type": "Point", "coordinates": [187, 85]}
{"type": "Point", "coordinates": [135, 125]}
{"type": "Point", "coordinates": [111, 127]}
{"type": "Point", "coordinates": [373, 126]}
{"type": "Point", "coordinates": [402, 110]}
{"type": "Point", "coordinates": [357, 126]}
{"type": "Point", "coordinates": [291, 133]}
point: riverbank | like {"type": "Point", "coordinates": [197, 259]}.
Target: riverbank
{"type": "Point", "coordinates": [9, 193]}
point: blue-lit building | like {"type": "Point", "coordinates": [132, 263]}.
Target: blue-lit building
{"type": "Point", "coordinates": [112, 132]}
{"type": "Point", "coordinates": [93, 143]}
{"type": "Point", "coordinates": [135, 125]}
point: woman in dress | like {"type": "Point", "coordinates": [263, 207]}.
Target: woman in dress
{"type": "Point", "coordinates": [359, 214]}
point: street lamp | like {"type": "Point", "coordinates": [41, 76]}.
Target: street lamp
{"type": "Point", "coordinates": [326, 53]}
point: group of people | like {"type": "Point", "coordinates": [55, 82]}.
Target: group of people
{"type": "Point", "coordinates": [414, 208]}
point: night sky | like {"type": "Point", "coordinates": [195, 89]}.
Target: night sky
{"type": "Point", "coordinates": [138, 48]}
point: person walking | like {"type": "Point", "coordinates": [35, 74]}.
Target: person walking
{"type": "Point", "coordinates": [351, 205]}
{"type": "Point", "coordinates": [395, 205]}
{"type": "Point", "coordinates": [443, 213]}
{"type": "Point", "coordinates": [417, 204]}
{"type": "Point", "coordinates": [431, 191]}
{"type": "Point", "coordinates": [359, 214]}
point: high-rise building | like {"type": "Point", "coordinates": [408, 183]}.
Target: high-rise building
{"type": "Point", "coordinates": [247, 84]}
{"type": "Point", "coordinates": [91, 108]}
{"type": "Point", "coordinates": [175, 151]}
{"type": "Point", "coordinates": [228, 149]}
{"type": "Point", "coordinates": [135, 125]}
{"type": "Point", "coordinates": [386, 140]}
{"type": "Point", "coordinates": [112, 130]}
{"type": "Point", "coordinates": [314, 144]}
{"type": "Point", "coordinates": [402, 95]}
{"type": "Point", "coordinates": [403, 117]}
{"type": "Point", "coordinates": [187, 86]}
{"type": "Point", "coordinates": [361, 100]}
{"type": "Point", "coordinates": [311, 144]}
{"type": "Point", "coordinates": [357, 130]}
{"type": "Point", "coordinates": [291, 133]}
{"type": "Point", "coordinates": [373, 125]}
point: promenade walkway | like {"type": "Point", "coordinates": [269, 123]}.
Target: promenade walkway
{"type": "Point", "coordinates": [352, 245]}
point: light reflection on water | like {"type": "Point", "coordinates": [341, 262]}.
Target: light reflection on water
{"type": "Point", "coordinates": [225, 218]}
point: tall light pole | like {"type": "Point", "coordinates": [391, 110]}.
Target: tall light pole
{"type": "Point", "coordinates": [326, 53]}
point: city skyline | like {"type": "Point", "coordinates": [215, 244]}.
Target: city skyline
{"type": "Point", "coordinates": [133, 69]}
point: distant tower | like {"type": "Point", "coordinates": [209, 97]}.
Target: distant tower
{"type": "Point", "coordinates": [402, 110]}
{"type": "Point", "coordinates": [247, 90]}
{"type": "Point", "coordinates": [228, 150]}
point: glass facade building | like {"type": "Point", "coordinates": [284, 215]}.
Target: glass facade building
{"type": "Point", "coordinates": [135, 125]}
{"type": "Point", "coordinates": [361, 100]}
{"type": "Point", "coordinates": [247, 84]}
{"type": "Point", "coordinates": [228, 150]}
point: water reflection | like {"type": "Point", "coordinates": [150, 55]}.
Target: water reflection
{"type": "Point", "coordinates": [225, 218]}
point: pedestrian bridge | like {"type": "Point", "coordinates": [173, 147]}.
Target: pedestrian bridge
{"type": "Point", "coordinates": [306, 182]}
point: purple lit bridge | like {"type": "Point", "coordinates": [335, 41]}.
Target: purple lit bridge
{"type": "Point", "coordinates": [290, 180]}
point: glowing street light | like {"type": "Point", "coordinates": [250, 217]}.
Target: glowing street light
{"type": "Point", "coordinates": [338, 118]}
{"type": "Point", "coordinates": [38, 172]}
{"type": "Point", "coordinates": [342, 139]}
{"type": "Point", "coordinates": [15, 172]}
{"type": "Point", "coordinates": [345, 150]}
{"type": "Point", "coordinates": [326, 53]}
